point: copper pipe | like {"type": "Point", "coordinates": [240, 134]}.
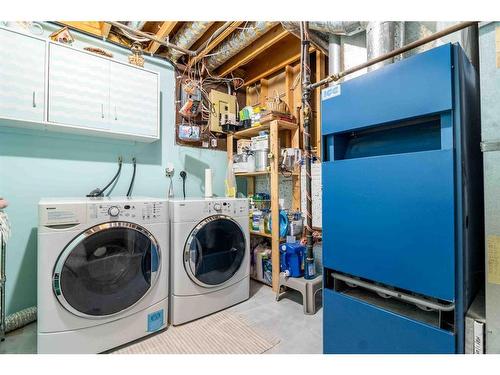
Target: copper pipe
{"type": "Point", "coordinates": [398, 51]}
{"type": "Point", "coordinates": [306, 116]}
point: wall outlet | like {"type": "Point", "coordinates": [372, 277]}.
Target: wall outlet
{"type": "Point", "coordinates": [169, 171]}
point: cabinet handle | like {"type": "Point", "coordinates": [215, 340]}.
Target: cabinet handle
{"type": "Point", "coordinates": [102, 110]}
{"type": "Point", "coordinates": [116, 116]}
{"type": "Point", "coordinates": [34, 99]}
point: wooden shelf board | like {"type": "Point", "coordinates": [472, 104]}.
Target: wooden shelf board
{"type": "Point", "coordinates": [253, 131]}
{"type": "Point", "coordinates": [253, 174]}
{"type": "Point", "coordinates": [268, 235]}
{"type": "Point", "coordinates": [250, 174]}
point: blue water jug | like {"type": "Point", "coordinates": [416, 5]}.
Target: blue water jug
{"type": "Point", "coordinates": [292, 259]}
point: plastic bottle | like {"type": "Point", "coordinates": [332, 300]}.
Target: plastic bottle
{"type": "Point", "coordinates": [267, 221]}
{"type": "Point", "coordinates": [256, 219]}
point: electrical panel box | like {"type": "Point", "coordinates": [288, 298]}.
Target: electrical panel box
{"type": "Point", "coordinates": [223, 110]}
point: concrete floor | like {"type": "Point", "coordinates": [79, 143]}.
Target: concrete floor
{"type": "Point", "coordinates": [285, 320]}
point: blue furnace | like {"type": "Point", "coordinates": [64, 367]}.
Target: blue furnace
{"type": "Point", "coordinates": [402, 206]}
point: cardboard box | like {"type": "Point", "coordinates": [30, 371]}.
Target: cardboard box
{"type": "Point", "coordinates": [241, 144]}
{"type": "Point", "coordinates": [260, 142]}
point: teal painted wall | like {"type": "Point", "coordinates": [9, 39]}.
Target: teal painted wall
{"type": "Point", "coordinates": [36, 164]}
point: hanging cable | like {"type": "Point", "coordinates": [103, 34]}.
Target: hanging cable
{"type": "Point", "coordinates": [183, 175]}
{"type": "Point", "coordinates": [129, 192]}
{"type": "Point", "coordinates": [100, 192]}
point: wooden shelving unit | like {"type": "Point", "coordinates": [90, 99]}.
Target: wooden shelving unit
{"type": "Point", "coordinates": [281, 134]}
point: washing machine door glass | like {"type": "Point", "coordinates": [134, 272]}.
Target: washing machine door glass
{"type": "Point", "coordinates": [106, 269]}
{"type": "Point", "coordinates": [214, 251]}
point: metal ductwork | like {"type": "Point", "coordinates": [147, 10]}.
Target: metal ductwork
{"type": "Point", "coordinates": [130, 27]}
{"type": "Point", "coordinates": [187, 36]}
{"type": "Point", "coordinates": [326, 36]}
{"type": "Point", "coordinates": [399, 37]}
{"type": "Point", "coordinates": [346, 28]}
{"type": "Point", "coordinates": [236, 42]}
{"type": "Point", "coordinates": [138, 25]}
{"type": "Point", "coordinates": [467, 37]}
{"type": "Point", "coordinates": [379, 41]}
{"type": "Point", "coordinates": [334, 61]}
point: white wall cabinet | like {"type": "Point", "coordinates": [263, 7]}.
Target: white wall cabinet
{"type": "Point", "coordinates": [134, 100]}
{"type": "Point", "coordinates": [78, 88]}
{"type": "Point", "coordinates": [22, 77]}
{"type": "Point", "coordinates": [88, 91]}
{"type": "Point", "coordinates": [57, 87]}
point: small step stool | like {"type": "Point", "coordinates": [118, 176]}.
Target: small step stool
{"type": "Point", "coordinates": [308, 289]}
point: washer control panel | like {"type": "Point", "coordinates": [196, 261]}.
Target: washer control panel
{"type": "Point", "coordinates": [148, 212]}
{"type": "Point", "coordinates": [229, 207]}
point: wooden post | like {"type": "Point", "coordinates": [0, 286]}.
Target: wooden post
{"type": "Point", "coordinates": [264, 91]}
{"type": "Point", "coordinates": [288, 89]}
{"type": "Point", "coordinates": [230, 147]}
{"type": "Point", "coordinates": [275, 241]}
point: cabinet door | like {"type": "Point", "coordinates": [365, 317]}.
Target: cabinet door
{"type": "Point", "coordinates": [22, 76]}
{"type": "Point", "coordinates": [78, 88]}
{"type": "Point", "coordinates": [134, 101]}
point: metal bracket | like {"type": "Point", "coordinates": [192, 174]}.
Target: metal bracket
{"type": "Point", "coordinates": [490, 146]}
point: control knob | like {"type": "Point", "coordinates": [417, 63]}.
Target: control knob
{"type": "Point", "coordinates": [217, 207]}
{"type": "Point", "coordinates": [113, 211]}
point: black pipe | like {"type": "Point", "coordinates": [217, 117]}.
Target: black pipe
{"type": "Point", "coordinates": [183, 175]}
{"type": "Point", "coordinates": [100, 192]}
{"type": "Point", "coordinates": [129, 191]}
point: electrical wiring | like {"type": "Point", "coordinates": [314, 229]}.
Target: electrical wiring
{"type": "Point", "coordinates": [198, 77]}
{"type": "Point", "coordinates": [135, 38]}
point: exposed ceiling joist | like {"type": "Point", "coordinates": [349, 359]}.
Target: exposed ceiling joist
{"type": "Point", "coordinates": [216, 41]}
{"type": "Point", "coordinates": [105, 29]}
{"type": "Point", "coordinates": [269, 63]}
{"type": "Point", "coordinates": [266, 41]}
{"type": "Point", "coordinates": [95, 28]}
{"type": "Point", "coordinates": [90, 27]}
{"type": "Point", "coordinates": [164, 31]}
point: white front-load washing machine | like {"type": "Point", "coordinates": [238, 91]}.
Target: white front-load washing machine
{"type": "Point", "coordinates": [102, 272]}
{"type": "Point", "coordinates": [209, 256]}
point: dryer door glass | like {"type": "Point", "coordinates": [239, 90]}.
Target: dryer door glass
{"type": "Point", "coordinates": [216, 249]}
{"type": "Point", "coordinates": [107, 269]}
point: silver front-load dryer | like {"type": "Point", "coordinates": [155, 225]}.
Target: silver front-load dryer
{"type": "Point", "coordinates": [210, 256]}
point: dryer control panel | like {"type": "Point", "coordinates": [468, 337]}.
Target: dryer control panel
{"type": "Point", "coordinates": [147, 212]}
